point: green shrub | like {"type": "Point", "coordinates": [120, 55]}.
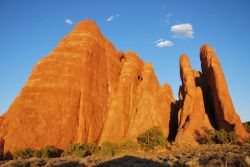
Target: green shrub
{"type": "Point", "coordinates": [91, 148]}
{"type": "Point", "coordinates": [37, 154]}
{"type": "Point", "coordinates": [217, 137]}
{"type": "Point", "coordinates": [246, 140]}
{"type": "Point", "coordinates": [51, 152]}
{"type": "Point", "coordinates": [128, 146]}
{"type": "Point", "coordinates": [81, 150]}
{"type": "Point", "coordinates": [207, 137]}
{"type": "Point", "coordinates": [109, 149]}
{"type": "Point", "coordinates": [224, 137]}
{"type": "Point", "coordinates": [151, 138]}
{"type": "Point", "coordinates": [24, 154]}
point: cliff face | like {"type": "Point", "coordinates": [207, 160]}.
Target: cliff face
{"type": "Point", "coordinates": [87, 91]}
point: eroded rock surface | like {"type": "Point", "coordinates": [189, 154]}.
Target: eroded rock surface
{"type": "Point", "coordinates": [85, 91]}
{"type": "Point", "coordinates": [192, 117]}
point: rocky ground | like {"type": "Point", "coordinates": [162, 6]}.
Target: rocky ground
{"type": "Point", "coordinates": [187, 155]}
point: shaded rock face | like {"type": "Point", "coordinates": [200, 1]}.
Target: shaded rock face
{"type": "Point", "coordinates": [86, 91]}
{"type": "Point", "coordinates": [225, 113]}
{"type": "Point", "coordinates": [1, 148]}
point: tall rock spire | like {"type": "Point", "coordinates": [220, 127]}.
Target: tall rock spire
{"type": "Point", "coordinates": [225, 113]}
{"type": "Point", "coordinates": [192, 117]}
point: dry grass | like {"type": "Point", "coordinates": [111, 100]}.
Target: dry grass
{"type": "Point", "coordinates": [174, 155]}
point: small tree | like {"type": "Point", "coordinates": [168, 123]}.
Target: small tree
{"type": "Point", "coordinates": [151, 138]}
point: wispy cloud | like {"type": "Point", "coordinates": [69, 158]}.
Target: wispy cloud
{"type": "Point", "coordinates": [166, 19]}
{"type": "Point", "coordinates": [110, 18]}
{"type": "Point", "coordinates": [68, 21]}
{"type": "Point", "coordinates": [182, 31]}
{"type": "Point", "coordinates": [160, 43]}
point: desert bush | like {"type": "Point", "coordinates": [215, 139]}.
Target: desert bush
{"type": "Point", "coordinates": [217, 137]}
{"type": "Point", "coordinates": [91, 148]}
{"type": "Point", "coordinates": [224, 137]}
{"type": "Point", "coordinates": [207, 137]}
{"type": "Point", "coordinates": [50, 152]}
{"type": "Point", "coordinates": [151, 138]}
{"type": "Point", "coordinates": [109, 149]}
{"type": "Point", "coordinates": [24, 154]}
{"type": "Point", "coordinates": [246, 140]}
{"type": "Point", "coordinates": [81, 150]}
{"type": "Point", "coordinates": [128, 146]}
{"type": "Point", "coordinates": [37, 153]}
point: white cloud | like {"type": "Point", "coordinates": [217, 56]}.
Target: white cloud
{"type": "Point", "coordinates": [68, 21]}
{"type": "Point", "coordinates": [112, 17]}
{"type": "Point", "coordinates": [183, 31]}
{"type": "Point", "coordinates": [160, 43]}
{"type": "Point", "coordinates": [159, 40]}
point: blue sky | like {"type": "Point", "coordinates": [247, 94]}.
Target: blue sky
{"type": "Point", "coordinates": [29, 30]}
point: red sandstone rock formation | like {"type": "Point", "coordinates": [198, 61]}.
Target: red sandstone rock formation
{"type": "Point", "coordinates": [138, 104]}
{"type": "Point", "coordinates": [85, 91]}
{"type": "Point", "coordinates": [225, 114]}
{"type": "Point", "coordinates": [192, 117]}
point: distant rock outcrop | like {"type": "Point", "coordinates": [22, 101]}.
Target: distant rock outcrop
{"type": "Point", "coordinates": [87, 91]}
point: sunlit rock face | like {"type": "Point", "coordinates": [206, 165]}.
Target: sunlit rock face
{"type": "Point", "coordinates": [192, 117]}
{"type": "Point", "coordinates": [204, 99]}
{"type": "Point", "coordinates": [86, 91]}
